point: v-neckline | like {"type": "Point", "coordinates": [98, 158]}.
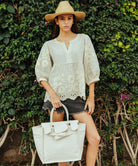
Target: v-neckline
{"type": "Point", "coordinates": [67, 48]}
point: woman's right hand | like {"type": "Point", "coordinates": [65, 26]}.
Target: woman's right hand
{"type": "Point", "coordinates": [55, 100]}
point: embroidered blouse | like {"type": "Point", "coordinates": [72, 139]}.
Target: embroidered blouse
{"type": "Point", "coordinates": [68, 70]}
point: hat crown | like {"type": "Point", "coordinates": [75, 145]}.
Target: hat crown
{"type": "Point", "coordinates": [64, 7]}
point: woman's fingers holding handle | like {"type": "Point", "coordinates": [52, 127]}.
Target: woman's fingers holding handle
{"type": "Point", "coordinates": [56, 102]}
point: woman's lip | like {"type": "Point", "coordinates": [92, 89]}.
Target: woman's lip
{"type": "Point", "coordinates": [66, 26]}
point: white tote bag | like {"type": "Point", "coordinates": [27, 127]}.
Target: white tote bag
{"type": "Point", "coordinates": [59, 141]}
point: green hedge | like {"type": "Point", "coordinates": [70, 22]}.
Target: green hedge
{"type": "Point", "coordinates": [23, 29]}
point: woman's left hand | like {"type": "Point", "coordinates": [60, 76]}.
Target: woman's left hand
{"type": "Point", "coordinates": [91, 105]}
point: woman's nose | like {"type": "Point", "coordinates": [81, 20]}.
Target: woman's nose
{"type": "Point", "coordinates": [66, 21]}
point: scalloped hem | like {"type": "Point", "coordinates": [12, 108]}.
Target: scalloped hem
{"type": "Point", "coordinates": [74, 106]}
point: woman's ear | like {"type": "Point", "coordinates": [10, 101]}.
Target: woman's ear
{"type": "Point", "coordinates": [56, 21]}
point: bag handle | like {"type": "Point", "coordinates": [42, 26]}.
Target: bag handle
{"type": "Point", "coordinates": [66, 110]}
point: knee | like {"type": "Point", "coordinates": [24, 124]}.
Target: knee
{"type": "Point", "coordinates": [95, 139]}
{"type": "Point", "coordinates": [99, 139]}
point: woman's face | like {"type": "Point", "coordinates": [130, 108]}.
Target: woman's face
{"type": "Point", "coordinates": [65, 22]}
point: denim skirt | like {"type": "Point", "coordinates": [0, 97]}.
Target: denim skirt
{"type": "Point", "coordinates": [74, 106]}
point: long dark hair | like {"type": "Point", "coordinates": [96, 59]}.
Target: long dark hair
{"type": "Point", "coordinates": [74, 27]}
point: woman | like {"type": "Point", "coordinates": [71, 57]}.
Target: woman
{"type": "Point", "coordinates": [65, 65]}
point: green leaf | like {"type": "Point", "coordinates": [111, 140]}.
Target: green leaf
{"type": "Point", "coordinates": [1, 37]}
{"type": "Point", "coordinates": [2, 6]}
{"type": "Point", "coordinates": [22, 66]}
{"type": "Point", "coordinates": [4, 26]}
{"type": "Point", "coordinates": [5, 83]}
{"type": "Point", "coordinates": [10, 9]}
{"type": "Point", "coordinates": [21, 9]}
{"type": "Point", "coordinates": [11, 112]}
{"type": "Point", "coordinates": [6, 40]}
{"type": "Point", "coordinates": [133, 4]}
{"type": "Point", "coordinates": [6, 34]}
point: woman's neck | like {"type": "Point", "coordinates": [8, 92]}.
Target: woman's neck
{"type": "Point", "coordinates": [66, 35]}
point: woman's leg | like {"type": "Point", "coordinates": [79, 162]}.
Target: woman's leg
{"type": "Point", "coordinates": [91, 135]}
{"type": "Point", "coordinates": [58, 117]}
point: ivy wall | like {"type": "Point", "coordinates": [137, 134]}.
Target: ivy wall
{"type": "Point", "coordinates": [112, 26]}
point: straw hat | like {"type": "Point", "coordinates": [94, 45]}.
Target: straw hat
{"type": "Point", "coordinates": [64, 7]}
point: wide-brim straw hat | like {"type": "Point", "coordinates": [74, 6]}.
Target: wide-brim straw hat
{"type": "Point", "coordinates": [64, 7]}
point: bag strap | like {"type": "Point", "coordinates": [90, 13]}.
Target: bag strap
{"type": "Point", "coordinates": [66, 110]}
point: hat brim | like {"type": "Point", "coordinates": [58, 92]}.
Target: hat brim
{"type": "Point", "coordinates": [79, 15]}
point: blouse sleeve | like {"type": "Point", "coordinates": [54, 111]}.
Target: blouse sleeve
{"type": "Point", "coordinates": [44, 64]}
{"type": "Point", "coordinates": [91, 65]}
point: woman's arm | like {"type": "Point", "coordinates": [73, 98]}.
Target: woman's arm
{"type": "Point", "coordinates": [47, 87]}
{"type": "Point", "coordinates": [55, 100]}
{"type": "Point", "coordinates": [90, 100]}
{"type": "Point", "coordinates": [91, 90]}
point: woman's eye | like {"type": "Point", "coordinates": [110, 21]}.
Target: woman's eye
{"type": "Point", "coordinates": [62, 18]}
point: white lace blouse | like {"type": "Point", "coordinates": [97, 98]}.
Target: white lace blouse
{"type": "Point", "coordinates": [68, 70]}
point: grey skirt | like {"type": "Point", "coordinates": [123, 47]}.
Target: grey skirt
{"type": "Point", "coordinates": [73, 106]}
